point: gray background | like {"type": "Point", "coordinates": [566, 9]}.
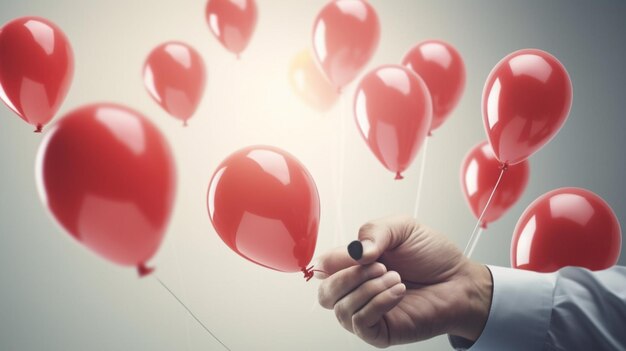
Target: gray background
{"type": "Point", "coordinates": [55, 295]}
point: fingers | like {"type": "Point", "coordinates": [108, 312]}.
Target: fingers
{"type": "Point", "coordinates": [338, 285]}
{"type": "Point", "coordinates": [384, 235]}
{"type": "Point", "coordinates": [369, 323]}
{"type": "Point", "coordinates": [357, 299]}
{"type": "Point", "coordinates": [333, 261]}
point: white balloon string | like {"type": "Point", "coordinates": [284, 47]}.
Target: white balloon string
{"type": "Point", "coordinates": [420, 180]}
{"type": "Point", "coordinates": [477, 236]}
{"type": "Point", "coordinates": [471, 244]}
{"type": "Point", "coordinates": [190, 313]}
{"type": "Point", "coordinates": [341, 149]}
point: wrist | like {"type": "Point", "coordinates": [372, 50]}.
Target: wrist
{"type": "Point", "coordinates": [476, 285]}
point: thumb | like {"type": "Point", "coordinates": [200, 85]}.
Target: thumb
{"type": "Point", "coordinates": [379, 236]}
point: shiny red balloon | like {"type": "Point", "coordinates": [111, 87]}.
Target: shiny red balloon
{"type": "Point", "coordinates": [36, 69]}
{"type": "Point", "coordinates": [107, 175]}
{"type": "Point", "coordinates": [566, 227]}
{"type": "Point", "coordinates": [174, 75]}
{"type": "Point", "coordinates": [441, 67]}
{"type": "Point", "coordinates": [526, 100]}
{"type": "Point", "coordinates": [479, 173]}
{"type": "Point", "coordinates": [310, 84]}
{"type": "Point", "coordinates": [393, 110]}
{"type": "Point", "coordinates": [264, 205]}
{"type": "Point", "coordinates": [345, 36]}
{"type": "Point", "coordinates": [232, 22]}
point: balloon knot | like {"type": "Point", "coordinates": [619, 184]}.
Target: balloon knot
{"type": "Point", "coordinates": [238, 56]}
{"type": "Point", "coordinates": [504, 166]}
{"type": "Point", "coordinates": [339, 90]}
{"type": "Point", "coordinates": [430, 133]}
{"type": "Point", "coordinates": [39, 128]}
{"type": "Point", "coordinates": [483, 225]}
{"type": "Point", "coordinates": [184, 123]}
{"type": "Point", "coordinates": [398, 176]}
{"type": "Point", "coordinates": [308, 273]}
{"type": "Point", "coordinates": [143, 270]}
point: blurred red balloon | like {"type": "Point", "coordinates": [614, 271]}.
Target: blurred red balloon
{"type": "Point", "coordinates": [526, 100]}
{"type": "Point", "coordinates": [107, 175]}
{"type": "Point", "coordinates": [232, 22]}
{"type": "Point", "coordinates": [36, 68]}
{"type": "Point", "coordinates": [310, 84]}
{"type": "Point", "coordinates": [442, 69]}
{"type": "Point", "coordinates": [345, 36]}
{"type": "Point", "coordinates": [393, 110]}
{"type": "Point", "coordinates": [566, 227]}
{"type": "Point", "coordinates": [264, 205]}
{"type": "Point", "coordinates": [174, 75]}
{"type": "Point", "coordinates": [479, 173]}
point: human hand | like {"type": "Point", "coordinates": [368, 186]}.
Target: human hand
{"type": "Point", "coordinates": [411, 284]}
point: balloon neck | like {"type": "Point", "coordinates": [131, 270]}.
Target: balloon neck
{"type": "Point", "coordinates": [339, 90]}
{"type": "Point", "coordinates": [238, 56]}
{"type": "Point", "coordinates": [483, 225]}
{"type": "Point", "coordinates": [504, 166]}
{"type": "Point", "coordinates": [39, 128]}
{"type": "Point", "coordinates": [310, 272]}
{"type": "Point", "coordinates": [185, 123]}
{"type": "Point", "coordinates": [430, 133]}
{"type": "Point", "coordinates": [143, 270]}
{"type": "Point", "coordinates": [398, 176]}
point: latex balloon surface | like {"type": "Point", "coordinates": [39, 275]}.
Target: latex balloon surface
{"type": "Point", "coordinates": [264, 205]}
{"type": "Point", "coordinates": [566, 227]}
{"type": "Point", "coordinates": [345, 37]}
{"type": "Point", "coordinates": [310, 84]}
{"type": "Point", "coordinates": [174, 75]}
{"type": "Point", "coordinates": [232, 22]}
{"type": "Point", "coordinates": [393, 110]}
{"type": "Point", "coordinates": [36, 69]}
{"type": "Point", "coordinates": [526, 100]}
{"type": "Point", "coordinates": [107, 176]}
{"type": "Point", "coordinates": [479, 173]}
{"type": "Point", "coordinates": [441, 67]}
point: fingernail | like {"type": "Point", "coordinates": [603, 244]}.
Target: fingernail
{"type": "Point", "coordinates": [368, 246]}
{"type": "Point", "coordinates": [398, 289]}
{"type": "Point", "coordinates": [355, 249]}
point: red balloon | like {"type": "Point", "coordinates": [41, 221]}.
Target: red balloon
{"type": "Point", "coordinates": [107, 175]}
{"type": "Point", "coordinates": [232, 22]}
{"type": "Point", "coordinates": [174, 75]}
{"type": "Point", "coordinates": [345, 36]}
{"type": "Point", "coordinates": [479, 173]}
{"type": "Point", "coordinates": [36, 69]}
{"type": "Point", "coordinates": [310, 84]}
{"type": "Point", "coordinates": [393, 110]}
{"type": "Point", "coordinates": [442, 69]}
{"type": "Point", "coordinates": [526, 100]}
{"type": "Point", "coordinates": [264, 205]}
{"type": "Point", "coordinates": [566, 227]}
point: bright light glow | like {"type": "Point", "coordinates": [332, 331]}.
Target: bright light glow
{"type": "Point", "coordinates": [531, 65]}
{"type": "Point", "coordinates": [212, 187]}
{"type": "Point", "coordinates": [214, 24]}
{"type": "Point", "coordinates": [43, 35]}
{"type": "Point", "coordinates": [319, 40]}
{"type": "Point", "coordinates": [148, 80]}
{"type": "Point", "coordinates": [471, 178]}
{"type": "Point", "coordinates": [355, 8]}
{"type": "Point", "coordinates": [361, 114]}
{"type": "Point", "coordinates": [436, 52]}
{"type": "Point", "coordinates": [395, 78]}
{"type": "Point", "coordinates": [6, 100]}
{"type": "Point", "coordinates": [493, 104]}
{"type": "Point", "coordinates": [180, 53]}
{"type": "Point", "coordinates": [572, 207]}
{"type": "Point", "coordinates": [525, 242]}
{"type": "Point", "coordinates": [125, 127]}
{"type": "Point", "coordinates": [272, 163]}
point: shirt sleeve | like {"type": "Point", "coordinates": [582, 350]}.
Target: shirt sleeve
{"type": "Point", "coordinates": [572, 309]}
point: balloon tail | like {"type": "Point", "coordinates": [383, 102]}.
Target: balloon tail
{"type": "Point", "coordinates": [310, 272]}
{"type": "Point", "coordinates": [185, 123]}
{"type": "Point", "coordinates": [398, 176]}
{"type": "Point", "coordinates": [191, 313]}
{"type": "Point", "coordinates": [39, 128]}
{"type": "Point", "coordinates": [421, 179]}
{"type": "Point", "coordinates": [144, 270]}
{"type": "Point", "coordinates": [471, 244]}
{"type": "Point", "coordinates": [238, 56]}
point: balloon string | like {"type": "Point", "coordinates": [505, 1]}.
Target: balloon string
{"type": "Point", "coordinates": [421, 178]}
{"type": "Point", "coordinates": [471, 244]}
{"type": "Point", "coordinates": [471, 249]}
{"type": "Point", "coordinates": [339, 237]}
{"type": "Point", "coordinates": [191, 313]}
{"type": "Point", "coordinates": [309, 272]}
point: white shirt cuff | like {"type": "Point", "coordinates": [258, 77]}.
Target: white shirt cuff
{"type": "Point", "coordinates": [519, 317]}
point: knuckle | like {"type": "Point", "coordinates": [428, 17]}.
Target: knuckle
{"type": "Point", "coordinates": [366, 229]}
{"type": "Point", "coordinates": [323, 297]}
